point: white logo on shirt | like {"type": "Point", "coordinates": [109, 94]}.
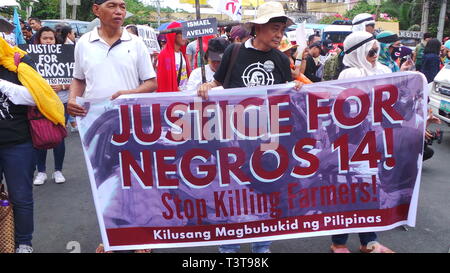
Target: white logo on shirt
{"type": "Point", "coordinates": [256, 75]}
{"type": "Point", "coordinates": [4, 108]}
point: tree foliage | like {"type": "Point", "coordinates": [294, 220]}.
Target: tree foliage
{"type": "Point", "coordinates": [407, 12]}
{"type": "Point", "coordinates": [50, 9]}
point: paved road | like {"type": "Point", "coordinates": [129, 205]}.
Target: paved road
{"type": "Point", "coordinates": [65, 219]}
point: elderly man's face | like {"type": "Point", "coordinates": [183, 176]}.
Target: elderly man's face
{"type": "Point", "coordinates": [271, 34]}
{"type": "Point", "coordinates": [111, 13]}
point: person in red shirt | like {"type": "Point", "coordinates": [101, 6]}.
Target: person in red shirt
{"type": "Point", "coordinates": [173, 66]}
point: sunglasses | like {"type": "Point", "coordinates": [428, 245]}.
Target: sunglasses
{"type": "Point", "coordinates": [372, 52]}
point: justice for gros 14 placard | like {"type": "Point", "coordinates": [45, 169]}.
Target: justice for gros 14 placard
{"type": "Point", "coordinates": [255, 164]}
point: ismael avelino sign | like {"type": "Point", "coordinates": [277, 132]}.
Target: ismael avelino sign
{"type": "Point", "coordinates": [199, 28]}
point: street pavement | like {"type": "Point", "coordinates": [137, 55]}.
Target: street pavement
{"type": "Point", "coordinates": [66, 221]}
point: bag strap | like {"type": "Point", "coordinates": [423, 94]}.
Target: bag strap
{"type": "Point", "coordinates": [3, 194]}
{"type": "Point", "coordinates": [17, 58]}
{"type": "Point", "coordinates": [179, 69]}
{"type": "Point", "coordinates": [234, 55]}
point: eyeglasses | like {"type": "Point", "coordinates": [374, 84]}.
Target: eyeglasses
{"type": "Point", "coordinates": [372, 52]}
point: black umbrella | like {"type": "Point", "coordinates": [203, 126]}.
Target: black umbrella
{"type": "Point", "coordinates": [5, 25]}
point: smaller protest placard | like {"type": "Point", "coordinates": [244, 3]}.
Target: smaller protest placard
{"type": "Point", "coordinates": [410, 34]}
{"type": "Point", "coordinates": [148, 35]}
{"type": "Point", "coordinates": [199, 28]}
{"type": "Point", "coordinates": [55, 63]}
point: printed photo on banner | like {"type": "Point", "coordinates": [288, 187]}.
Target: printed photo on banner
{"type": "Point", "coordinates": [257, 164]}
{"type": "Point", "coordinates": [55, 63]}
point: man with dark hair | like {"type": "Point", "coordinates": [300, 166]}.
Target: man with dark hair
{"type": "Point", "coordinates": [418, 52]}
{"type": "Point", "coordinates": [27, 32]}
{"type": "Point", "coordinates": [313, 62]}
{"type": "Point", "coordinates": [109, 61]}
{"type": "Point", "coordinates": [35, 25]}
{"type": "Point", "coordinates": [313, 38]}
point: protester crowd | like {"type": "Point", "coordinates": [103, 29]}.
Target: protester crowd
{"type": "Point", "coordinates": [113, 72]}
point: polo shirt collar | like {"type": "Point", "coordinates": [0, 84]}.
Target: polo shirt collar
{"type": "Point", "coordinates": [249, 44]}
{"type": "Point", "coordinates": [94, 35]}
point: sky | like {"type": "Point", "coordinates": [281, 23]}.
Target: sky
{"type": "Point", "coordinates": [171, 4]}
{"type": "Point", "coordinates": [188, 7]}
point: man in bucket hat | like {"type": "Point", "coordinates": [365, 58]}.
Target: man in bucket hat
{"type": "Point", "coordinates": [260, 63]}
{"type": "Point", "coordinates": [257, 62]}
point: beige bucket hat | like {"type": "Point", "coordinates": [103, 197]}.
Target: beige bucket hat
{"type": "Point", "coordinates": [268, 11]}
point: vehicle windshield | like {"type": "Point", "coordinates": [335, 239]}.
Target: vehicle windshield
{"type": "Point", "coordinates": [78, 27]}
{"type": "Point", "coordinates": [336, 37]}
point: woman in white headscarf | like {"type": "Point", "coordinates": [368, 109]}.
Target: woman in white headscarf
{"type": "Point", "coordinates": [361, 54]}
{"type": "Point", "coordinates": [363, 22]}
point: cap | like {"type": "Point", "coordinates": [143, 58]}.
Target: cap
{"type": "Point", "coordinates": [328, 44]}
{"type": "Point", "coordinates": [404, 51]}
{"type": "Point", "coordinates": [316, 44]}
{"type": "Point", "coordinates": [215, 56]}
{"type": "Point", "coordinates": [387, 37]}
{"type": "Point", "coordinates": [99, 2]}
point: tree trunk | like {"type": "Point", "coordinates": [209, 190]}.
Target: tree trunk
{"type": "Point", "coordinates": [301, 6]}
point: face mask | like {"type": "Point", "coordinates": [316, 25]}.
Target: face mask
{"type": "Point", "coordinates": [395, 53]}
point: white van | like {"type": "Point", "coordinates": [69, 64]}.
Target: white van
{"type": "Point", "coordinates": [440, 95]}
{"type": "Point", "coordinates": [336, 33]}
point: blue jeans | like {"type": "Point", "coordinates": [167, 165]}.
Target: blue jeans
{"type": "Point", "coordinates": [257, 247]}
{"type": "Point", "coordinates": [58, 152]}
{"type": "Point", "coordinates": [364, 238]}
{"type": "Point", "coordinates": [17, 165]}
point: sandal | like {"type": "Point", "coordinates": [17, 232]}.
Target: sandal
{"type": "Point", "coordinates": [143, 251]}
{"type": "Point", "coordinates": [375, 247]}
{"type": "Point", "coordinates": [101, 249]}
{"type": "Point", "coordinates": [339, 249]}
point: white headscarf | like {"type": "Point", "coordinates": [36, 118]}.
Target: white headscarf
{"type": "Point", "coordinates": [356, 59]}
{"type": "Point", "coordinates": [361, 20]}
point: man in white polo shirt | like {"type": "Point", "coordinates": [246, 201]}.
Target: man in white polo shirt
{"type": "Point", "coordinates": [109, 61]}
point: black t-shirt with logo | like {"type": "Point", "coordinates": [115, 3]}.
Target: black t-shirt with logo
{"type": "Point", "coordinates": [14, 128]}
{"type": "Point", "coordinates": [254, 68]}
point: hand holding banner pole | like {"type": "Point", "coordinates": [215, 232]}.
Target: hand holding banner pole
{"type": "Point", "coordinates": [200, 43]}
